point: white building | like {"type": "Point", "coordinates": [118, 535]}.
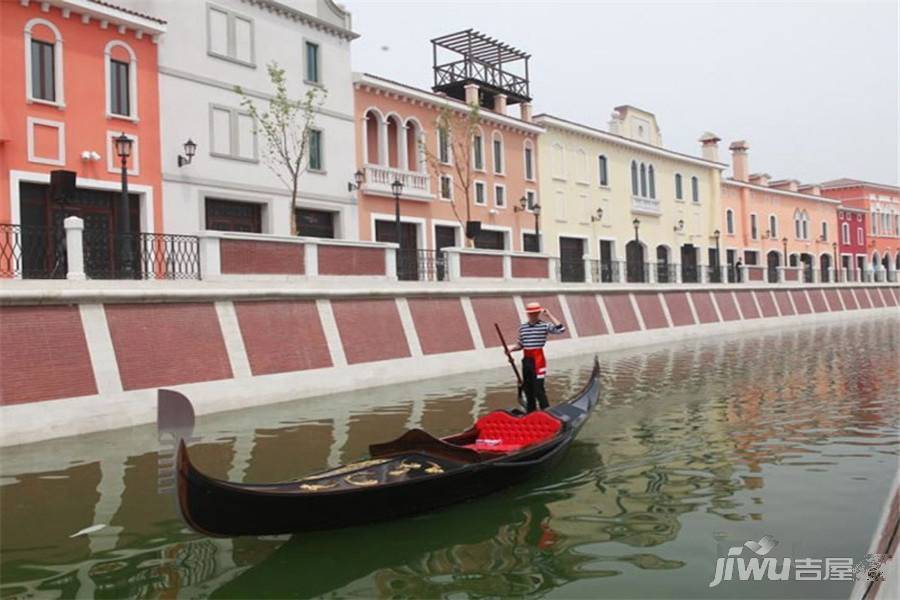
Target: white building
{"type": "Point", "coordinates": [209, 49]}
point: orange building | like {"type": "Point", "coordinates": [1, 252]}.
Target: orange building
{"type": "Point", "coordinates": [77, 74]}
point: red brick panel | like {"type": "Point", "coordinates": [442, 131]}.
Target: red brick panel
{"type": "Point", "coordinates": [791, 275]}
{"type": "Point", "coordinates": [282, 336]}
{"type": "Point", "coordinates": [834, 301]}
{"type": "Point", "coordinates": [480, 265]}
{"type": "Point", "coordinates": [766, 304]}
{"type": "Point", "coordinates": [818, 300]}
{"type": "Point", "coordinates": [551, 303]}
{"type": "Point", "coordinates": [527, 266]}
{"type": "Point", "coordinates": [651, 310]}
{"type": "Point", "coordinates": [370, 329]}
{"type": "Point", "coordinates": [349, 260]}
{"type": "Point", "coordinates": [621, 314]}
{"type": "Point", "coordinates": [893, 296]}
{"type": "Point", "coordinates": [43, 354]}
{"type": "Point", "coordinates": [496, 309]}
{"type": "Point", "coordinates": [756, 274]}
{"type": "Point", "coordinates": [725, 302]}
{"type": "Point", "coordinates": [440, 325]}
{"type": "Point", "coordinates": [888, 297]}
{"type": "Point", "coordinates": [748, 306]}
{"type": "Point", "coordinates": [801, 302]}
{"type": "Point", "coordinates": [167, 344]}
{"type": "Point", "coordinates": [784, 303]}
{"type": "Point", "coordinates": [586, 314]}
{"type": "Point", "coordinates": [862, 298]}
{"type": "Point", "coordinates": [679, 308]}
{"type": "Point", "coordinates": [849, 299]}
{"type": "Point", "coordinates": [875, 296]}
{"type": "Point", "coordinates": [703, 303]}
{"type": "Point", "coordinates": [268, 258]}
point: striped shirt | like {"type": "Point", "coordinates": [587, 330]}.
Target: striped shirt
{"type": "Point", "coordinates": [535, 335]}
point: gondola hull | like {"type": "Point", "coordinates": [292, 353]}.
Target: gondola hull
{"type": "Point", "coordinates": [387, 487]}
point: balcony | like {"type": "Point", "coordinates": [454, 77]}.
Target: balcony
{"type": "Point", "coordinates": [416, 186]}
{"type": "Point", "coordinates": [645, 206]}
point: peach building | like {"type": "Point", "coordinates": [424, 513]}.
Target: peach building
{"type": "Point", "coordinates": [780, 230]}
{"type": "Point", "coordinates": [881, 205]}
{"type": "Point", "coordinates": [398, 139]}
{"type": "Point", "coordinates": [77, 74]}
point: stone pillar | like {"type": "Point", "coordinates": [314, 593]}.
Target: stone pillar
{"type": "Point", "coordinates": [677, 268]}
{"type": "Point", "coordinates": [525, 111]}
{"type": "Point", "coordinates": [472, 94]}
{"type": "Point", "coordinates": [500, 104]}
{"type": "Point", "coordinates": [651, 272]}
{"type": "Point", "coordinates": [781, 274]}
{"type": "Point", "coordinates": [623, 272]}
{"type": "Point", "coordinates": [75, 248]}
{"type": "Point", "coordinates": [390, 261]}
{"type": "Point", "coordinates": [739, 163]}
{"type": "Point", "coordinates": [588, 275]}
{"type": "Point", "coordinates": [311, 257]}
{"type": "Point", "coordinates": [704, 273]}
{"type": "Point", "coordinates": [507, 266]}
{"type": "Point", "coordinates": [383, 143]}
{"type": "Point", "coordinates": [402, 150]}
{"type": "Point", "coordinates": [744, 274]}
{"type": "Point", "coordinates": [453, 269]}
{"type": "Point", "coordinates": [817, 276]}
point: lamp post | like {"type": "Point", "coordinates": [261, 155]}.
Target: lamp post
{"type": "Point", "coordinates": [718, 233]}
{"type": "Point", "coordinates": [537, 224]}
{"type": "Point", "coordinates": [358, 179]}
{"type": "Point", "coordinates": [397, 189]}
{"type": "Point", "coordinates": [637, 224]}
{"type": "Point", "coordinates": [835, 268]}
{"type": "Point", "coordinates": [596, 217]}
{"type": "Point", "coordinates": [122, 245]}
{"type": "Point", "coordinates": [784, 242]}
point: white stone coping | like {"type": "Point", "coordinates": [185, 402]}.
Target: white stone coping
{"type": "Point", "coordinates": [263, 237]}
{"type": "Point", "coordinates": [498, 253]}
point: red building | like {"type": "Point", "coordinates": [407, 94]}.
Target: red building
{"type": "Point", "coordinates": [852, 241]}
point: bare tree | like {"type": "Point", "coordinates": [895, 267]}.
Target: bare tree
{"type": "Point", "coordinates": [456, 132]}
{"type": "Point", "coordinates": [285, 126]}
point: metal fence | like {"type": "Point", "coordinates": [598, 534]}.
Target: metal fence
{"type": "Point", "coordinates": [571, 271]}
{"type": "Point", "coordinates": [604, 272]}
{"type": "Point", "coordinates": [713, 274]}
{"type": "Point", "coordinates": [666, 272]}
{"type": "Point", "coordinates": [32, 252]}
{"type": "Point", "coordinates": [141, 256]}
{"type": "Point", "coordinates": [422, 265]}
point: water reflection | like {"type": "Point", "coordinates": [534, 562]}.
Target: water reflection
{"type": "Point", "coordinates": [690, 439]}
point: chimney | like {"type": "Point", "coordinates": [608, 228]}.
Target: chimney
{"type": "Point", "coordinates": [710, 146]}
{"type": "Point", "coordinates": [739, 166]}
{"type": "Point", "coordinates": [472, 94]}
{"type": "Point", "coordinates": [810, 188]}
{"type": "Point", "coordinates": [615, 123]}
{"type": "Point", "coordinates": [500, 104]}
{"type": "Point", "coordinates": [525, 111]}
{"type": "Point", "coordinates": [760, 179]}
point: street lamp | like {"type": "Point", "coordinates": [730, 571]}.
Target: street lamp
{"type": "Point", "coordinates": [834, 252]}
{"type": "Point", "coordinates": [190, 149]}
{"type": "Point", "coordinates": [123, 145]}
{"type": "Point", "coordinates": [596, 217]}
{"type": "Point", "coordinates": [717, 233]}
{"type": "Point", "coordinates": [637, 224]}
{"type": "Point", "coordinates": [536, 209]}
{"type": "Point", "coordinates": [784, 241]}
{"type": "Point", "coordinates": [397, 189]}
{"type": "Point", "coordinates": [679, 226]}
{"type": "Point", "coordinates": [358, 179]}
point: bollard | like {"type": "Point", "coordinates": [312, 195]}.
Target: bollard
{"type": "Point", "coordinates": [75, 248]}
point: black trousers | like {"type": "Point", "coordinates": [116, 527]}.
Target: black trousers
{"type": "Point", "coordinates": [533, 386]}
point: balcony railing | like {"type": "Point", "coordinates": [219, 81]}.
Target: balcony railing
{"type": "Point", "coordinates": [465, 70]}
{"type": "Point", "coordinates": [141, 256]}
{"type": "Point", "coordinates": [422, 265]}
{"type": "Point", "coordinates": [570, 270]}
{"type": "Point", "coordinates": [604, 272]}
{"type": "Point", "coordinates": [32, 252]}
{"type": "Point", "coordinates": [649, 206]}
{"type": "Point", "coordinates": [380, 178]}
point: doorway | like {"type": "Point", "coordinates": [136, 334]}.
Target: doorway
{"type": "Point", "coordinates": [407, 254]}
{"type": "Point", "coordinates": [773, 261]}
{"type": "Point", "coordinates": [634, 262]}
{"type": "Point", "coordinates": [689, 264]}
{"type": "Point", "coordinates": [607, 274]}
{"type": "Point", "coordinates": [571, 259]}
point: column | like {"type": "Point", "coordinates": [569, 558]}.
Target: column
{"type": "Point", "coordinates": [75, 248]}
{"type": "Point", "coordinates": [383, 142]}
{"type": "Point", "coordinates": [402, 150]}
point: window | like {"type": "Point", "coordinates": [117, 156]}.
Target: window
{"type": "Point", "coordinates": [499, 196]}
{"type": "Point", "coordinates": [315, 150]}
{"type": "Point", "coordinates": [845, 233]}
{"type": "Point", "coordinates": [729, 221]}
{"type": "Point", "coordinates": [529, 162]}
{"type": "Point", "coordinates": [314, 223]}
{"type": "Point", "coordinates": [312, 62]}
{"type": "Point", "coordinates": [602, 170]}
{"type": "Point", "coordinates": [797, 229]}
{"type": "Point", "coordinates": [43, 71]}
{"type": "Point", "coordinates": [478, 152]}
{"type": "Point", "coordinates": [229, 215]}
{"type": "Point", "coordinates": [652, 181]}
{"type": "Point", "coordinates": [634, 179]}
{"type": "Point", "coordinates": [754, 228]}
{"type": "Point", "coordinates": [232, 134]}
{"type": "Point", "coordinates": [446, 187]}
{"type": "Point", "coordinates": [643, 180]}
{"type": "Point", "coordinates": [581, 167]}
{"type": "Point", "coordinates": [859, 236]}
{"type": "Point", "coordinates": [444, 145]}
{"type": "Point", "coordinates": [230, 36]}
{"type": "Point", "coordinates": [773, 226]}
{"type": "Point", "coordinates": [479, 193]}
{"type": "Point", "coordinates": [750, 257]}
{"type": "Point", "coordinates": [119, 103]}
{"type": "Point", "coordinates": [498, 155]}
{"type": "Point", "coordinates": [695, 189]}
{"type": "Point", "coordinates": [679, 192]}
{"type": "Point", "coordinates": [530, 199]}
{"type": "Point", "coordinates": [825, 231]}
{"type": "Point", "coordinates": [558, 156]}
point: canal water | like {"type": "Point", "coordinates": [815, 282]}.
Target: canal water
{"type": "Point", "coordinates": [694, 448]}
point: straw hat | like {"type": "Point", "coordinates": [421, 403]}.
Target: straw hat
{"type": "Point", "coordinates": [533, 307]}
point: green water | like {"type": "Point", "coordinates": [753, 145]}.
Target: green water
{"type": "Point", "coordinates": [695, 446]}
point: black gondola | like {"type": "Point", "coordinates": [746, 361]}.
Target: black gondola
{"type": "Point", "coordinates": [414, 473]}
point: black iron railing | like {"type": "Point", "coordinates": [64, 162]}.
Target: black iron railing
{"type": "Point", "coordinates": [713, 274]}
{"type": "Point", "coordinates": [32, 252]}
{"type": "Point", "coordinates": [141, 256]}
{"type": "Point", "coordinates": [636, 272]}
{"type": "Point", "coordinates": [690, 273]}
{"type": "Point", "coordinates": [465, 70]}
{"type": "Point", "coordinates": [604, 271]}
{"type": "Point", "coordinates": [666, 272]}
{"type": "Point", "coordinates": [570, 271]}
{"type": "Point", "coordinates": [422, 265]}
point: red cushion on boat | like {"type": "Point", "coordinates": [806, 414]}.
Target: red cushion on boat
{"type": "Point", "coordinates": [501, 432]}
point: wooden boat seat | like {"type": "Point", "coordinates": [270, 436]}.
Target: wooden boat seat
{"type": "Point", "coordinates": [501, 432]}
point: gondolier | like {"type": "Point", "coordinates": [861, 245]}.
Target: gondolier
{"type": "Point", "coordinates": [532, 338]}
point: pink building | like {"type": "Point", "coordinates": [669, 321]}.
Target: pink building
{"type": "Point", "coordinates": [881, 204]}
{"type": "Point", "coordinates": [852, 240]}
{"type": "Point", "coordinates": [398, 140]}
{"type": "Point", "coordinates": [771, 225]}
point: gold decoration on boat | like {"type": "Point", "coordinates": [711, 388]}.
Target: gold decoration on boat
{"type": "Point", "coordinates": [404, 467]}
{"type": "Point", "coordinates": [434, 468]}
{"type": "Point", "coordinates": [346, 468]}
{"type": "Point", "coordinates": [315, 487]}
{"type": "Point", "coordinates": [362, 482]}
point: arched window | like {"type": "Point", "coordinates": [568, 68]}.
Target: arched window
{"type": "Point", "coordinates": [695, 189]}
{"type": "Point", "coordinates": [43, 63]}
{"type": "Point", "coordinates": [499, 163]}
{"type": "Point", "coordinates": [394, 138]}
{"type": "Point", "coordinates": [773, 226]}
{"type": "Point", "coordinates": [643, 180]}
{"type": "Point", "coordinates": [804, 221]}
{"type": "Point", "coordinates": [729, 221]}
{"type": "Point", "coordinates": [634, 179]}
{"type": "Point", "coordinates": [602, 170]}
{"type": "Point", "coordinates": [373, 125]}
{"type": "Point", "coordinates": [798, 230]}
{"type": "Point", "coordinates": [581, 166]}
{"type": "Point", "coordinates": [845, 233]}
{"type": "Point", "coordinates": [679, 192]}
{"type": "Point", "coordinates": [414, 155]}
{"type": "Point", "coordinates": [478, 150]}
{"type": "Point", "coordinates": [652, 181]}
{"type": "Point", "coordinates": [121, 80]}
{"type": "Point", "coordinates": [529, 160]}
{"type": "Point", "coordinates": [825, 231]}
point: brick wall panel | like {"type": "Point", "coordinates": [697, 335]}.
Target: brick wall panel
{"type": "Point", "coordinates": [834, 301]}
{"type": "Point", "coordinates": [888, 297]}
{"type": "Point", "coordinates": [784, 303]}
{"type": "Point", "coordinates": [257, 257]}
{"type": "Point", "coordinates": [748, 306]}
{"type": "Point", "coordinates": [440, 325]}
{"type": "Point", "coordinates": [496, 309]}
{"type": "Point", "coordinates": [43, 354]}
{"type": "Point", "coordinates": [282, 336]}
{"type": "Point", "coordinates": [727, 307]}
{"type": "Point", "coordinates": [480, 265]}
{"type": "Point", "coordinates": [167, 344]}
{"type": "Point", "coordinates": [349, 260]}
{"type": "Point", "coordinates": [875, 296]}
{"type": "Point", "coordinates": [862, 298]}
{"type": "Point", "coordinates": [766, 304]}
{"type": "Point", "coordinates": [370, 329]}
{"type": "Point", "coordinates": [800, 301]}
{"type": "Point", "coordinates": [651, 311]}
{"type": "Point", "coordinates": [818, 300]}
{"type": "Point", "coordinates": [530, 267]}
{"type": "Point", "coordinates": [703, 304]}
{"type": "Point", "coordinates": [679, 308]}
{"type": "Point", "coordinates": [621, 314]}
{"type": "Point", "coordinates": [849, 299]}
{"type": "Point", "coordinates": [586, 314]}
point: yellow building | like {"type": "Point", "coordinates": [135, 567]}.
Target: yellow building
{"type": "Point", "coordinates": [638, 211]}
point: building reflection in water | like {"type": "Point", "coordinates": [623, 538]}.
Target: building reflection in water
{"type": "Point", "coordinates": [682, 428]}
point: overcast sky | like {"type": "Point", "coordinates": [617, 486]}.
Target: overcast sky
{"type": "Point", "coordinates": [812, 86]}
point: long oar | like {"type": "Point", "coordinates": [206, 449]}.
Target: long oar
{"type": "Point", "coordinates": [512, 363]}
